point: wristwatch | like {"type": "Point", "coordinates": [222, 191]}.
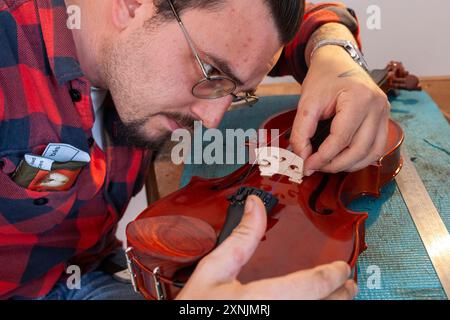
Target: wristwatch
{"type": "Point", "coordinates": [349, 46]}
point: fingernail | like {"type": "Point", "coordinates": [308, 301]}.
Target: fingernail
{"type": "Point", "coordinates": [355, 288]}
{"type": "Point", "coordinates": [309, 172]}
{"type": "Point", "coordinates": [249, 204]}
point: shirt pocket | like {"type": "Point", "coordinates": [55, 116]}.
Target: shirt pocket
{"type": "Point", "coordinates": [23, 211]}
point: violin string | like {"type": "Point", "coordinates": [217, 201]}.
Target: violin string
{"type": "Point", "coordinates": [289, 148]}
{"type": "Point", "coordinates": [257, 155]}
{"type": "Point", "coordinates": [316, 136]}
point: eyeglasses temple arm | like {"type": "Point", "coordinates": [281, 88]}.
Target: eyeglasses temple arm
{"type": "Point", "coordinates": [189, 40]}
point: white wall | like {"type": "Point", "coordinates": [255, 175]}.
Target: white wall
{"type": "Point", "coordinates": [136, 206]}
{"type": "Point", "coordinates": [415, 32]}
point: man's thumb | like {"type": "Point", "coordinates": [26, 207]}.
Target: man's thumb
{"type": "Point", "coordinates": [238, 248]}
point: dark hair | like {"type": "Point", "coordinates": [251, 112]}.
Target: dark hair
{"type": "Point", "coordinates": [287, 14]}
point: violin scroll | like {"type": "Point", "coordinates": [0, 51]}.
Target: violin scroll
{"type": "Point", "coordinates": [395, 77]}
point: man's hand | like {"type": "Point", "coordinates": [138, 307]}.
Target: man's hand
{"type": "Point", "coordinates": [215, 276]}
{"type": "Point", "coordinates": [337, 86]}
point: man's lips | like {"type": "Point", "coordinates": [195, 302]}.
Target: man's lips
{"type": "Point", "coordinates": [172, 124]}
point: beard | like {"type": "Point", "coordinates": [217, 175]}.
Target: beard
{"type": "Point", "coordinates": [125, 85]}
{"type": "Point", "coordinates": [132, 132]}
{"type": "Point", "coordinates": [135, 134]}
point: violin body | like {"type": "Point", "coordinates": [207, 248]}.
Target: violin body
{"type": "Point", "coordinates": [309, 225]}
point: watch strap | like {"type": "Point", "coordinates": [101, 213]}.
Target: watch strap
{"type": "Point", "coordinates": [349, 46]}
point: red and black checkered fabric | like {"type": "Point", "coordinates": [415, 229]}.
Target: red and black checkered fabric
{"type": "Point", "coordinates": [44, 98]}
{"type": "Point", "coordinates": [292, 61]}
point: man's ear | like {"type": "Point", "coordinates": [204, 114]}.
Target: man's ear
{"type": "Point", "coordinates": [123, 12]}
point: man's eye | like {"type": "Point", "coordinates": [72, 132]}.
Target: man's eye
{"type": "Point", "coordinates": [210, 70]}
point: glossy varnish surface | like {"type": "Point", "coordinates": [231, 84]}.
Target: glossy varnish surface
{"type": "Point", "coordinates": [309, 226]}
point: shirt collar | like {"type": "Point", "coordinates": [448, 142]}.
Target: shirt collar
{"type": "Point", "coordinates": [58, 40]}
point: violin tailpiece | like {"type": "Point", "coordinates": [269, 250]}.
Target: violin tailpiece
{"type": "Point", "coordinates": [273, 160]}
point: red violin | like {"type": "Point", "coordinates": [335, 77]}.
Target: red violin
{"type": "Point", "coordinates": [308, 222]}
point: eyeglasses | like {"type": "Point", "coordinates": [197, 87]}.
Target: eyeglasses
{"type": "Point", "coordinates": [213, 86]}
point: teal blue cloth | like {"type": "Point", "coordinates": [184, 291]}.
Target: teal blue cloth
{"type": "Point", "coordinates": [394, 246]}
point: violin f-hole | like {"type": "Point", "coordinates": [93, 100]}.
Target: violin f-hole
{"type": "Point", "coordinates": [315, 196]}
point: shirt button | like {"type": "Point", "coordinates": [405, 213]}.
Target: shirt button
{"type": "Point", "coordinates": [75, 95]}
{"type": "Point", "coordinates": [40, 201]}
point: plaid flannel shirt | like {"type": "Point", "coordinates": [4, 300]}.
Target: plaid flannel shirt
{"type": "Point", "coordinates": [45, 98]}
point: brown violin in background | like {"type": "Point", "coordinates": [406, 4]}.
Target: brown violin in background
{"type": "Point", "coordinates": [308, 222]}
{"type": "Point", "coordinates": [395, 77]}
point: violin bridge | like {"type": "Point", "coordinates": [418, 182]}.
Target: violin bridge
{"type": "Point", "coordinates": [273, 160]}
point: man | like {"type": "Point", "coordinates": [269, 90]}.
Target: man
{"type": "Point", "coordinates": [162, 62]}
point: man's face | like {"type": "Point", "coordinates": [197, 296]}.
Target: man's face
{"type": "Point", "coordinates": [150, 70]}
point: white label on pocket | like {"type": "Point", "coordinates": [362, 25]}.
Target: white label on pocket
{"type": "Point", "coordinates": [39, 162]}
{"type": "Point", "coordinates": [62, 152]}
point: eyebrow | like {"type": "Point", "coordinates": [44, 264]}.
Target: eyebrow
{"type": "Point", "coordinates": [224, 66]}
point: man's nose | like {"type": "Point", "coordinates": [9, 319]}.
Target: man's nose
{"type": "Point", "coordinates": [211, 112]}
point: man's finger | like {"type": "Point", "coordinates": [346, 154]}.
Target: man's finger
{"type": "Point", "coordinates": [312, 284]}
{"type": "Point", "coordinates": [344, 125]}
{"type": "Point", "coordinates": [224, 263]}
{"type": "Point", "coordinates": [347, 292]}
{"type": "Point", "coordinates": [321, 281]}
{"type": "Point", "coordinates": [377, 148]}
{"type": "Point", "coordinates": [304, 127]}
{"type": "Point", "coordinates": [359, 148]}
